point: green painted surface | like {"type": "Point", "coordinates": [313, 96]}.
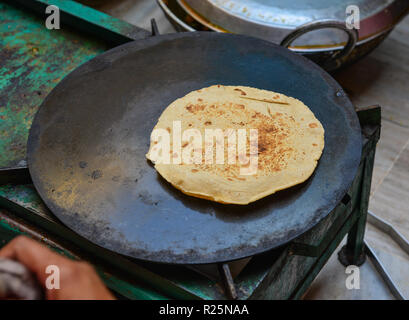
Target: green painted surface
{"type": "Point", "coordinates": [23, 195]}
{"type": "Point", "coordinates": [92, 16]}
{"type": "Point", "coordinates": [128, 290]}
{"type": "Point", "coordinates": [9, 230]}
{"type": "Point", "coordinates": [33, 60]}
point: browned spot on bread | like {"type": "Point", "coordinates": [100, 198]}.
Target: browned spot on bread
{"type": "Point", "coordinates": [243, 93]}
{"type": "Point", "coordinates": [185, 144]}
{"type": "Point", "coordinates": [195, 108]}
{"type": "Point", "coordinates": [200, 100]}
{"type": "Point", "coordinates": [314, 144]}
{"type": "Point", "coordinates": [313, 125]}
{"type": "Point", "coordinates": [168, 129]}
{"type": "Point", "coordinates": [261, 149]}
{"type": "Point", "coordinates": [272, 135]}
{"type": "Point", "coordinates": [194, 170]}
{"type": "Point", "coordinates": [270, 128]}
{"type": "Point", "coordinates": [273, 153]}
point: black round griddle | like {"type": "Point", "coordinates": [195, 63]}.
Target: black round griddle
{"type": "Point", "coordinates": [88, 142]}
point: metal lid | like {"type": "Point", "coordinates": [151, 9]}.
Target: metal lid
{"type": "Point", "coordinates": [275, 20]}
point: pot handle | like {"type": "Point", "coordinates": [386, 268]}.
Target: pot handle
{"type": "Point", "coordinates": [336, 59]}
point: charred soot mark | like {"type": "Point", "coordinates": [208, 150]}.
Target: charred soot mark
{"type": "Point", "coordinates": [82, 164]}
{"type": "Point", "coordinates": [96, 174]}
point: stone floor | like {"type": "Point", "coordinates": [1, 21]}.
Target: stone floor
{"type": "Point", "coordinates": [380, 78]}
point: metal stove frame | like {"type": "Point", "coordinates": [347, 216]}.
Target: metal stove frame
{"type": "Point", "coordinates": [284, 273]}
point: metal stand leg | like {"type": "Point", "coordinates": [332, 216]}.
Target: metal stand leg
{"type": "Point", "coordinates": [227, 279]}
{"type": "Point", "coordinates": [353, 253]}
{"type": "Point", "coordinates": [154, 27]}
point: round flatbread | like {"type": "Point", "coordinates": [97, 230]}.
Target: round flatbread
{"type": "Point", "coordinates": [235, 144]}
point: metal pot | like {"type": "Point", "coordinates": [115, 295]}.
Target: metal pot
{"type": "Point", "coordinates": [316, 29]}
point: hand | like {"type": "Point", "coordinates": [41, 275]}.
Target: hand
{"type": "Point", "coordinates": [78, 280]}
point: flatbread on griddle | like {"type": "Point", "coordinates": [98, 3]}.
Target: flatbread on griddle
{"type": "Point", "coordinates": [290, 143]}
